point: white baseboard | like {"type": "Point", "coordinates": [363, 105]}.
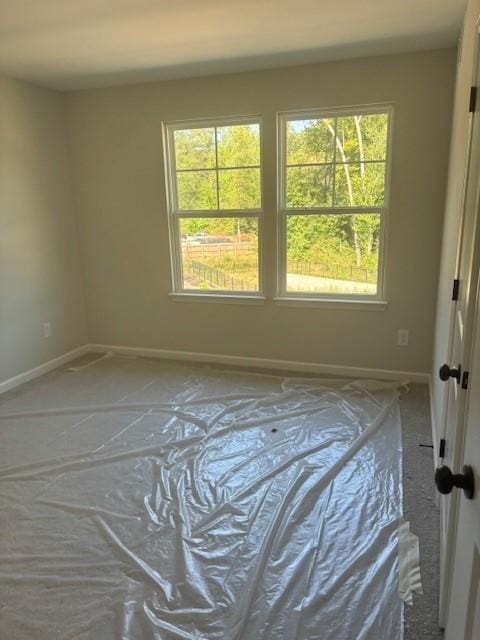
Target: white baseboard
{"type": "Point", "coordinates": [265, 363]}
{"type": "Point", "coordinates": [26, 376]}
{"type": "Point", "coordinates": [218, 358]}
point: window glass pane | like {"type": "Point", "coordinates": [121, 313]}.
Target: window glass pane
{"type": "Point", "coordinates": [362, 137]}
{"type": "Point", "coordinates": [360, 184]}
{"type": "Point", "coordinates": [239, 145]}
{"type": "Point", "coordinates": [197, 190]}
{"type": "Point", "coordinates": [195, 148]}
{"type": "Point", "coordinates": [220, 254]}
{"type": "Point", "coordinates": [310, 141]}
{"type": "Point", "coordinates": [310, 186]}
{"type": "Point", "coordinates": [239, 188]}
{"type": "Point", "coordinates": [333, 254]}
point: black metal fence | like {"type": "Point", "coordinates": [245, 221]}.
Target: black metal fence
{"type": "Point", "coordinates": [216, 278]}
{"type": "Point", "coordinates": [334, 271]}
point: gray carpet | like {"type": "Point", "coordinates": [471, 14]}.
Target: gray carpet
{"type": "Point", "coordinates": [421, 620]}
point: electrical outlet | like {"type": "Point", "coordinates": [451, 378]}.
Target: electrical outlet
{"type": "Point", "coordinates": [402, 337]}
{"type": "Point", "coordinates": [47, 330]}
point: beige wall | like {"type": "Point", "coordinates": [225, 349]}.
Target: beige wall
{"type": "Point", "coordinates": [40, 279]}
{"type": "Point", "coordinates": [456, 177]}
{"type": "Point", "coordinates": [119, 175]}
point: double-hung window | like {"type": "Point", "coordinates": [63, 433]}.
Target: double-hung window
{"type": "Point", "coordinates": [214, 178]}
{"type": "Point", "coordinates": [333, 202]}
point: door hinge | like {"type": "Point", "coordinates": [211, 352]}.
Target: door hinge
{"type": "Point", "coordinates": [472, 105]}
{"type": "Point", "coordinates": [465, 380]}
{"type": "Point", "coordinates": [441, 448]}
{"type": "Point", "coordinates": [456, 288]}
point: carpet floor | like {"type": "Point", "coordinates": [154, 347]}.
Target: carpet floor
{"type": "Point", "coordinates": [421, 619]}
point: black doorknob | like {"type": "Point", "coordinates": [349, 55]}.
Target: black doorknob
{"type": "Point", "coordinates": [446, 480]}
{"type": "Point", "coordinates": [445, 373]}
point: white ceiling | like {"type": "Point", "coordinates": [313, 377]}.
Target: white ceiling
{"type": "Point", "coordinates": [69, 44]}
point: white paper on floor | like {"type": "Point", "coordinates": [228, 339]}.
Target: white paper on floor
{"type": "Point", "coordinates": [165, 501]}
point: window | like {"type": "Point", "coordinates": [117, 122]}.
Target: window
{"type": "Point", "coordinates": [215, 205]}
{"type": "Point", "coordinates": [333, 200]}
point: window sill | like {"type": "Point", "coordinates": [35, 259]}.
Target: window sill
{"type": "Point", "coordinates": [333, 303]}
{"type": "Point", "coordinates": [218, 298]}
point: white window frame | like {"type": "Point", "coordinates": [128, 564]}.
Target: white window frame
{"type": "Point", "coordinates": [285, 296]}
{"type": "Point", "coordinates": [175, 214]}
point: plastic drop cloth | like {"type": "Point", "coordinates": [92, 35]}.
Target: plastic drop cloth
{"type": "Point", "coordinates": [176, 502]}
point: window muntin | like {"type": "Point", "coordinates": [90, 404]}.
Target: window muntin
{"type": "Point", "coordinates": [333, 202]}
{"type": "Point", "coordinates": [215, 205]}
{"type": "Point", "coordinates": [217, 167]}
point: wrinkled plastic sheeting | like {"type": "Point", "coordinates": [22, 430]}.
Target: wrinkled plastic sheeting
{"type": "Point", "coordinates": [165, 501]}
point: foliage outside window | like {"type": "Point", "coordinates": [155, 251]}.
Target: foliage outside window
{"type": "Point", "coordinates": [333, 169]}
{"type": "Point", "coordinates": [215, 199]}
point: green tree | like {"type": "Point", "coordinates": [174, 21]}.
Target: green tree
{"type": "Point", "coordinates": [357, 145]}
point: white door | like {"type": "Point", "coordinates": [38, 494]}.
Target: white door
{"type": "Point", "coordinates": [463, 617]}
{"type": "Point", "coordinates": [457, 370]}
